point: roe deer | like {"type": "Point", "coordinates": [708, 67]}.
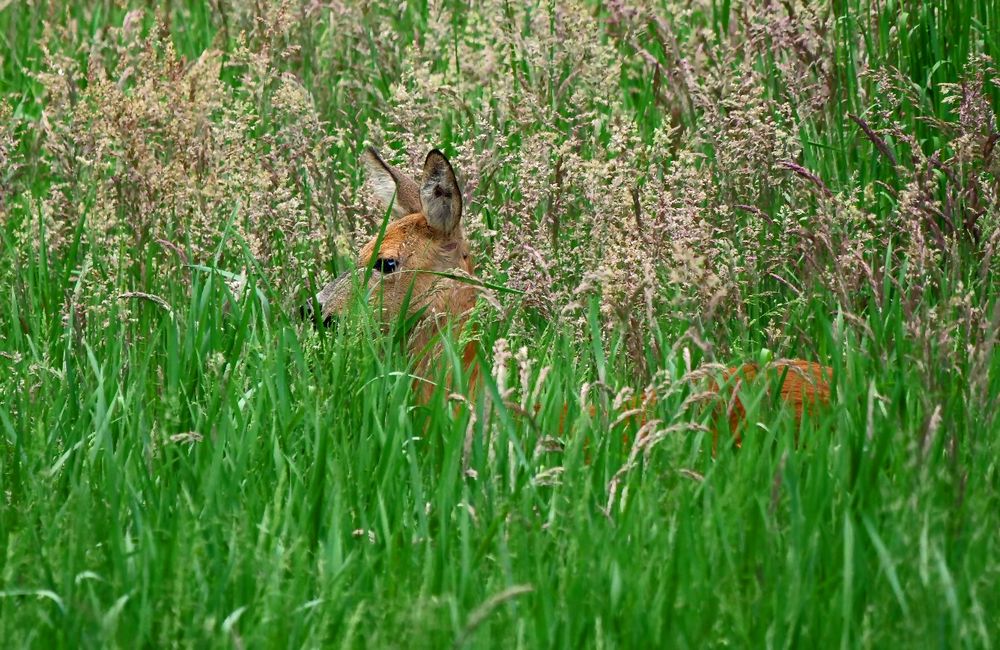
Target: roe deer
{"type": "Point", "coordinates": [425, 243]}
{"type": "Point", "coordinates": [422, 245]}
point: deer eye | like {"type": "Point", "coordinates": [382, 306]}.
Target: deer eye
{"type": "Point", "coordinates": [386, 265]}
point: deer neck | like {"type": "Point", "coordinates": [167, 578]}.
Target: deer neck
{"type": "Point", "coordinates": [445, 318]}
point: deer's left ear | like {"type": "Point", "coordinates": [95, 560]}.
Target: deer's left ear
{"type": "Point", "coordinates": [440, 197]}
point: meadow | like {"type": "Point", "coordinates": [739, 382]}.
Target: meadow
{"type": "Point", "coordinates": [651, 188]}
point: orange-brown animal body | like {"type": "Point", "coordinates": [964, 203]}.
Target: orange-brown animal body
{"type": "Point", "coordinates": [804, 386]}
{"type": "Point", "coordinates": [426, 239]}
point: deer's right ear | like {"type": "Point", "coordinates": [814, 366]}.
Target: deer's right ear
{"type": "Point", "coordinates": [386, 180]}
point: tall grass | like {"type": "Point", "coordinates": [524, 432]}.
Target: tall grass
{"type": "Point", "coordinates": [183, 463]}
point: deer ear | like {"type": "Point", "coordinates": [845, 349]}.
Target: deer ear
{"type": "Point", "coordinates": [440, 197]}
{"type": "Point", "coordinates": [386, 180]}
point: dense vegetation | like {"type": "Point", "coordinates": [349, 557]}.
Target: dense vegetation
{"type": "Point", "coordinates": [652, 187]}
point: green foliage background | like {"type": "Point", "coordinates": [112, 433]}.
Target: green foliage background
{"type": "Point", "coordinates": [183, 464]}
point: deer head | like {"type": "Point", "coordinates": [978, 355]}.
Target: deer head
{"type": "Point", "coordinates": [423, 240]}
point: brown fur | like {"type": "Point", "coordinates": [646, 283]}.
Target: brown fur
{"type": "Point", "coordinates": [427, 235]}
{"type": "Point", "coordinates": [804, 386]}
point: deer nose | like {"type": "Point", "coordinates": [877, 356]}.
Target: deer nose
{"type": "Point", "coordinates": [308, 314]}
{"type": "Point", "coordinates": [306, 311]}
{"type": "Point", "coordinates": [330, 300]}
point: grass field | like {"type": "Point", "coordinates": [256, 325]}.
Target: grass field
{"type": "Point", "coordinates": [653, 186]}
